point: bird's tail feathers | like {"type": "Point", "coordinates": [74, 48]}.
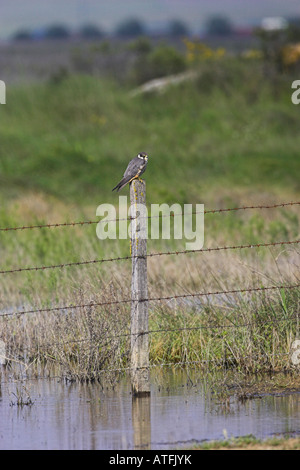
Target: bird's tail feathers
{"type": "Point", "coordinates": [121, 185]}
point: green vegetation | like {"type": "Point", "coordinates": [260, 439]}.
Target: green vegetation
{"type": "Point", "coordinates": [227, 138]}
{"type": "Point", "coordinates": [230, 129]}
{"type": "Point", "coordinates": [252, 443]}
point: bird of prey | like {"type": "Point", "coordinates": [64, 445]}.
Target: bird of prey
{"type": "Point", "coordinates": [135, 168]}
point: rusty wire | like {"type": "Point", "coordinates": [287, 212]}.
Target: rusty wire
{"type": "Point", "coordinates": [161, 253]}
{"type": "Point", "coordinates": [150, 299]}
{"type": "Point", "coordinates": [154, 299]}
{"type": "Point", "coordinates": [92, 222]}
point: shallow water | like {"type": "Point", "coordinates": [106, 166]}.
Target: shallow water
{"type": "Point", "coordinates": [179, 412]}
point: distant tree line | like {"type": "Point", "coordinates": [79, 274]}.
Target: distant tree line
{"type": "Point", "coordinates": [60, 31]}
{"type": "Point", "coordinates": [131, 27]}
{"type": "Point", "coordinates": [216, 25]}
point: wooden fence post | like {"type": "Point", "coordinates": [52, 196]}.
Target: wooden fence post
{"type": "Point", "coordinates": [140, 382]}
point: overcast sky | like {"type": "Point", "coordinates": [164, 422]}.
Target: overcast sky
{"type": "Point", "coordinates": [32, 14]}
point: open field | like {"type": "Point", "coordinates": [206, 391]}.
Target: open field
{"type": "Point", "coordinates": [72, 140]}
{"type": "Point", "coordinates": [229, 138]}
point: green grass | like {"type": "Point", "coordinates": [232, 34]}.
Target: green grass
{"type": "Point", "coordinates": [73, 139]}
{"type": "Point", "coordinates": [250, 442]}
{"type": "Point", "coordinates": [229, 138]}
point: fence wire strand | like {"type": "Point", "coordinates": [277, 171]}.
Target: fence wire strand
{"type": "Point", "coordinates": [155, 299]}
{"type": "Point", "coordinates": [149, 255]}
{"type": "Point", "coordinates": [215, 326]}
{"type": "Point", "coordinates": [93, 222]}
{"type": "Point", "coordinates": [150, 299]}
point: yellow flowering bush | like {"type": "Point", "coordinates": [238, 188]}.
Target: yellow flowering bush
{"type": "Point", "coordinates": [198, 51]}
{"type": "Point", "coordinates": [291, 54]}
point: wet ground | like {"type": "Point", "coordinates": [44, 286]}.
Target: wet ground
{"type": "Point", "coordinates": [181, 411]}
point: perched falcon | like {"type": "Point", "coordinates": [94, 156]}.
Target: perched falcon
{"type": "Point", "coordinates": [135, 168]}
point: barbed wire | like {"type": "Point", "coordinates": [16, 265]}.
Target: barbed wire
{"type": "Point", "coordinates": [211, 325]}
{"type": "Point", "coordinates": [106, 340]}
{"type": "Point", "coordinates": [149, 255]}
{"type": "Point", "coordinates": [150, 299]}
{"type": "Point", "coordinates": [92, 222]}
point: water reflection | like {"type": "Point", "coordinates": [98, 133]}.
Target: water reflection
{"type": "Point", "coordinates": [180, 410]}
{"type": "Point", "coordinates": [141, 422]}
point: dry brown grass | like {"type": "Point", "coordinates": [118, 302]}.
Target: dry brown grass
{"type": "Point", "coordinates": [247, 330]}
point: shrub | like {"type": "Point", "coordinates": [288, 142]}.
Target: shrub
{"type": "Point", "coordinates": [162, 61]}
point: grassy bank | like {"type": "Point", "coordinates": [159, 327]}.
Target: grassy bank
{"type": "Point", "coordinates": [252, 443]}
{"type": "Point", "coordinates": [229, 138]}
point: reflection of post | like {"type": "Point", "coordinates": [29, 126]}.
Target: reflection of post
{"type": "Point", "coordinates": [141, 421]}
{"type": "Point", "coordinates": [140, 382]}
